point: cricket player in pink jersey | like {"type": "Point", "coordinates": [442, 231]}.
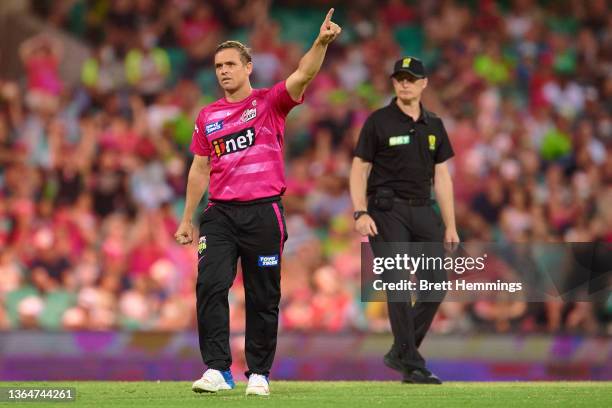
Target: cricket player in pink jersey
{"type": "Point", "coordinates": [238, 154]}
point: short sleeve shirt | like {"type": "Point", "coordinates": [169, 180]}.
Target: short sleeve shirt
{"type": "Point", "coordinates": [244, 141]}
{"type": "Point", "coordinates": [403, 152]}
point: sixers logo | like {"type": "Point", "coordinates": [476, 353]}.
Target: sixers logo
{"type": "Point", "coordinates": [234, 142]}
{"type": "Point", "coordinates": [248, 115]}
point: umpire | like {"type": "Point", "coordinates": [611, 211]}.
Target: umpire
{"type": "Point", "coordinates": [401, 149]}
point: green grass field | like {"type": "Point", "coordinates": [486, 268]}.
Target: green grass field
{"type": "Point", "coordinates": [336, 394]}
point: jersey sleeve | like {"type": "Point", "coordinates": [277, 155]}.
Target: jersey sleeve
{"type": "Point", "coordinates": [445, 150]}
{"type": "Point", "coordinates": [281, 100]}
{"type": "Point", "coordinates": [199, 142]}
{"type": "Point", "coordinates": [366, 144]}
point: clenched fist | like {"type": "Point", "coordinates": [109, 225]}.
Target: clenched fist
{"type": "Point", "coordinates": [184, 233]}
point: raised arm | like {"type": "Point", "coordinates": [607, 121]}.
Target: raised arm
{"type": "Point", "coordinates": [311, 62]}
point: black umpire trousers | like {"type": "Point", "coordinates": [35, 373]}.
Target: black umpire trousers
{"type": "Point", "coordinates": [255, 233]}
{"type": "Point", "coordinates": [409, 322]}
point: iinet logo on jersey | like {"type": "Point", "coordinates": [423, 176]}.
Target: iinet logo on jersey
{"type": "Point", "coordinates": [234, 142]}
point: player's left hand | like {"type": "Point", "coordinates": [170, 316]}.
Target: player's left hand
{"type": "Point", "coordinates": [329, 29]}
{"type": "Point", "coordinates": [451, 239]}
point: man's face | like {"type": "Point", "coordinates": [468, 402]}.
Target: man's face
{"type": "Point", "coordinates": [232, 72]}
{"type": "Point", "coordinates": [408, 87]}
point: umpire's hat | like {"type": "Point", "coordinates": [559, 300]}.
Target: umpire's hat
{"type": "Point", "coordinates": [411, 65]}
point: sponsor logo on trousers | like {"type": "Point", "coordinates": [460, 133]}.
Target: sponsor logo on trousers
{"type": "Point", "coordinates": [268, 260]}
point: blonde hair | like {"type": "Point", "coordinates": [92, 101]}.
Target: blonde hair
{"type": "Point", "coordinates": [245, 52]}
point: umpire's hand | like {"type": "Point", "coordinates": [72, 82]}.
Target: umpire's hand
{"type": "Point", "coordinates": [365, 225]}
{"type": "Point", "coordinates": [451, 239]}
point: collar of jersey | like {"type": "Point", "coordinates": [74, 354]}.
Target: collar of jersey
{"type": "Point", "coordinates": [242, 101]}
{"type": "Point", "coordinates": [422, 118]}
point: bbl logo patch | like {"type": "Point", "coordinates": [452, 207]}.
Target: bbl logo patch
{"type": "Point", "coordinates": [406, 62]}
{"type": "Point", "coordinates": [432, 142]}
{"type": "Point", "coordinates": [267, 261]}
{"type": "Point", "coordinates": [202, 244]}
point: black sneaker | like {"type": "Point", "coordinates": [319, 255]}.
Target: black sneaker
{"type": "Point", "coordinates": [421, 376]}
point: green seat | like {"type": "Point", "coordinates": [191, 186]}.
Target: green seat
{"type": "Point", "coordinates": [299, 27]}
{"type": "Point", "coordinates": [56, 303]}
{"type": "Point", "coordinates": [240, 34]}
{"type": "Point", "coordinates": [411, 39]}
{"type": "Point", "coordinates": [178, 60]}
{"type": "Point", "coordinates": [206, 79]}
{"type": "Point", "coordinates": [129, 324]}
{"type": "Point", "coordinates": [12, 302]}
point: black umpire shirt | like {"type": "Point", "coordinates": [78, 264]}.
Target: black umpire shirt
{"type": "Point", "coordinates": [403, 152]}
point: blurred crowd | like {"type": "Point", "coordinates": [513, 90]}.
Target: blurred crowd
{"type": "Point", "coordinates": [93, 171]}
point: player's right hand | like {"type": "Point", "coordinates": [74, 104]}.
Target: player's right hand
{"type": "Point", "coordinates": [184, 233]}
{"type": "Point", "coordinates": [329, 30]}
{"type": "Point", "coordinates": [365, 225]}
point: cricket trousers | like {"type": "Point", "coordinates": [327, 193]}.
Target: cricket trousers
{"type": "Point", "coordinates": [254, 232]}
{"type": "Point", "coordinates": [409, 322]}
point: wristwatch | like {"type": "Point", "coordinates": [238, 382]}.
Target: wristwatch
{"type": "Point", "coordinates": [358, 214]}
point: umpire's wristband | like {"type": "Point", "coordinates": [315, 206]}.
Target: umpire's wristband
{"type": "Point", "coordinates": [358, 214]}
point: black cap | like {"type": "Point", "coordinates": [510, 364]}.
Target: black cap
{"type": "Point", "coordinates": [411, 65]}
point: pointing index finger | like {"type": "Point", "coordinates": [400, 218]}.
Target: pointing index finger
{"type": "Point", "coordinates": [328, 17]}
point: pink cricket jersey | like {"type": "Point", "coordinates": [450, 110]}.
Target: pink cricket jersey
{"type": "Point", "coordinates": [244, 141]}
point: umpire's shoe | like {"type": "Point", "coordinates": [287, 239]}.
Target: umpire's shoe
{"type": "Point", "coordinates": [411, 375]}
{"type": "Point", "coordinates": [393, 360]}
{"type": "Point", "coordinates": [420, 376]}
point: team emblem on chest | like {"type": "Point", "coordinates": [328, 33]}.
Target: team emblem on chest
{"type": "Point", "coordinates": [432, 142]}
{"type": "Point", "coordinates": [248, 115]}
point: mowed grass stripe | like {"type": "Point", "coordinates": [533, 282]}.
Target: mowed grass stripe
{"type": "Point", "coordinates": [352, 394]}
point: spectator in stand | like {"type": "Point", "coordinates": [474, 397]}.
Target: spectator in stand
{"type": "Point", "coordinates": [147, 67]}
{"type": "Point", "coordinates": [41, 56]}
{"type": "Point", "coordinates": [102, 72]}
{"type": "Point", "coordinates": [198, 31]}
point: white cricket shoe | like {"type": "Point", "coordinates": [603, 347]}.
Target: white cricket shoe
{"type": "Point", "coordinates": [258, 385]}
{"type": "Point", "coordinates": [213, 381]}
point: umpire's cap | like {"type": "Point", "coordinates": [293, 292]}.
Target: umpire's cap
{"type": "Point", "coordinates": [411, 65]}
